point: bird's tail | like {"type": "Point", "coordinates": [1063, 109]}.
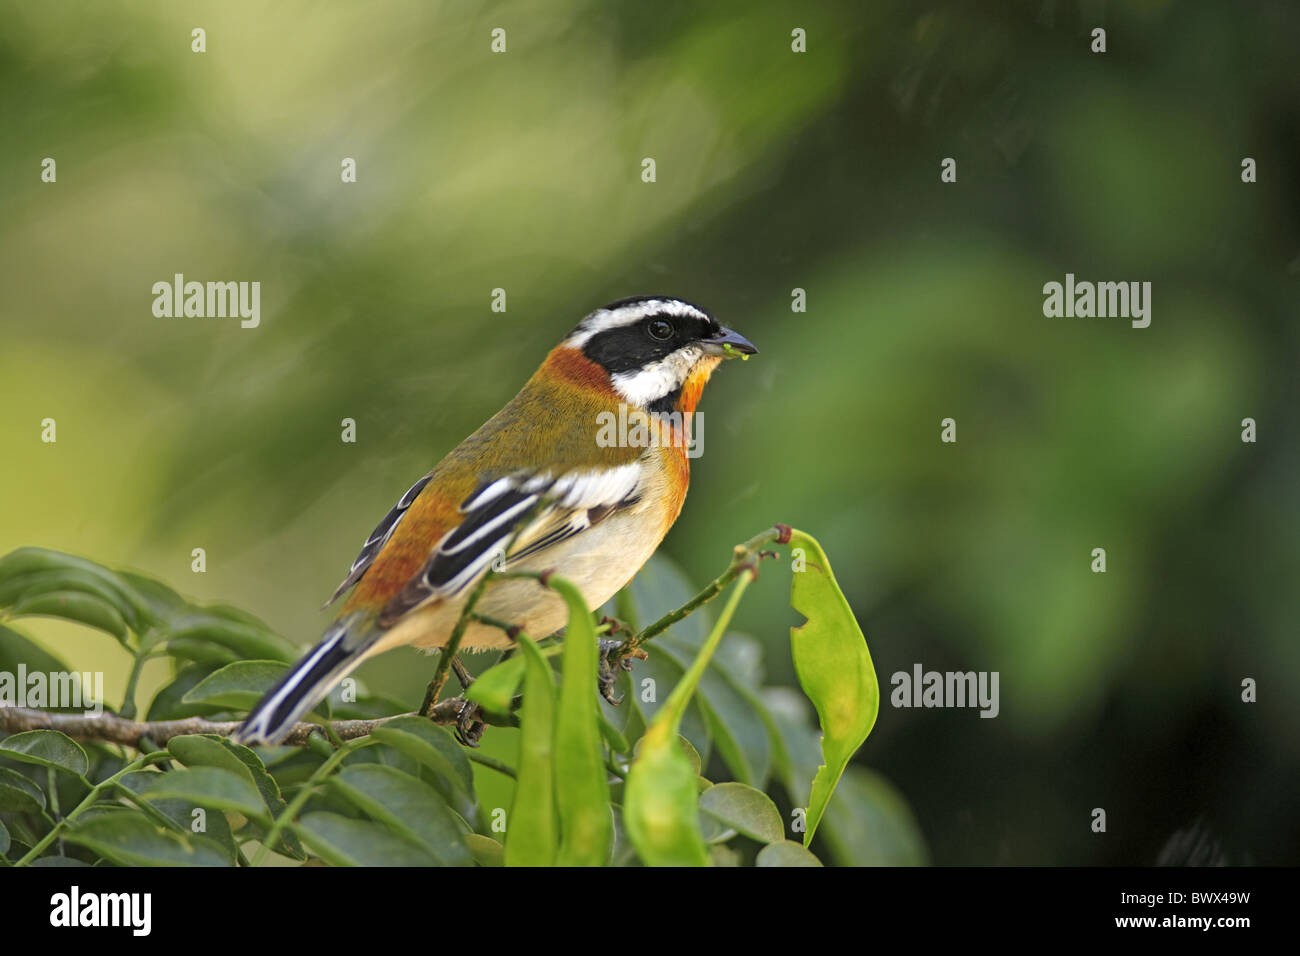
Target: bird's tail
{"type": "Point", "coordinates": [344, 646]}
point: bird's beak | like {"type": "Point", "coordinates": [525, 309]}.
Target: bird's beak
{"type": "Point", "coordinates": [729, 344]}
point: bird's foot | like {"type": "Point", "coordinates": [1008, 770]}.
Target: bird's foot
{"type": "Point", "coordinates": [469, 727]}
{"type": "Point", "coordinates": [613, 658]}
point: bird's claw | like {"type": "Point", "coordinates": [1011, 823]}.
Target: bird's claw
{"type": "Point", "coordinates": [607, 675]}
{"type": "Point", "coordinates": [469, 728]}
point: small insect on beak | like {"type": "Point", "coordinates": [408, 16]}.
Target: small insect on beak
{"type": "Point", "coordinates": [729, 344]}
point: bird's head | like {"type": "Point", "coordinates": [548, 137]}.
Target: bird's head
{"type": "Point", "coordinates": [654, 348]}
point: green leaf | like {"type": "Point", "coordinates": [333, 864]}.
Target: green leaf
{"type": "Point", "coordinates": [18, 794]}
{"type": "Point", "coordinates": [496, 687]}
{"type": "Point", "coordinates": [786, 853]}
{"type": "Point", "coordinates": [724, 855]}
{"type": "Point", "coordinates": [46, 748]}
{"type": "Point", "coordinates": [180, 813]}
{"type": "Point", "coordinates": [581, 785]}
{"type": "Point", "coordinates": [834, 669]}
{"type": "Point", "coordinates": [45, 571]}
{"type": "Point", "coordinates": [713, 830]}
{"type": "Point", "coordinates": [103, 761]}
{"type": "Point", "coordinates": [661, 798]}
{"type": "Point", "coordinates": [365, 706]}
{"type": "Point", "coordinates": [131, 840]}
{"type": "Point", "coordinates": [201, 652]}
{"type": "Point", "coordinates": [51, 861]}
{"type": "Point", "coordinates": [16, 649]}
{"type": "Point", "coordinates": [486, 851]}
{"type": "Point", "coordinates": [872, 825]}
{"type": "Point", "coordinates": [533, 835]}
{"type": "Point", "coordinates": [238, 686]}
{"type": "Point", "coordinates": [345, 842]}
{"type": "Point", "coordinates": [661, 586]}
{"type": "Point", "coordinates": [155, 600]}
{"type": "Point", "coordinates": [494, 690]}
{"type": "Point", "coordinates": [660, 810]}
{"type": "Point", "coordinates": [407, 806]}
{"type": "Point", "coordinates": [436, 749]}
{"type": "Point", "coordinates": [207, 750]}
{"type": "Point", "coordinates": [4, 839]}
{"type": "Point", "coordinates": [740, 657]}
{"type": "Point", "coordinates": [262, 779]}
{"type": "Point", "coordinates": [667, 673]}
{"type": "Point", "coordinates": [168, 703]}
{"type": "Point", "coordinates": [211, 788]}
{"type": "Point", "coordinates": [688, 748]}
{"type": "Point", "coordinates": [737, 725]}
{"type": "Point", "coordinates": [745, 810]}
{"type": "Point", "coordinates": [104, 586]}
{"type": "Point", "coordinates": [74, 606]}
{"type": "Point", "coordinates": [245, 640]}
{"type": "Point", "coordinates": [613, 737]}
{"type": "Point", "coordinates": [693, 755]}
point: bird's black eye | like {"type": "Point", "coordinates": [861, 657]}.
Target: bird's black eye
{"type": "Point", "coordinates": [660, 329]}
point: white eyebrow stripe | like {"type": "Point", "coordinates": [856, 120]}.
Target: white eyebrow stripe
{"type": "Point", "coordinates": [602, 320]}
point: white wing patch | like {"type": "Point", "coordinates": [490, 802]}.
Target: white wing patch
{"type": "Point", "coordinates": [560, 508]}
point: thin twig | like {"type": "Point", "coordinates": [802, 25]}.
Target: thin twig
{"type": "Point", "coordinates": [743, 557]}
{"type": "Point", "coordinates": [149, 734]}
{"type": "Point", "coordinates": [493, 762]}
{"type": "Point", "coordinates": [120, 730]}
{"type": "Point", "coordinates": [300, 798]}
{"type": "Point", "coordinates": [449, 650]}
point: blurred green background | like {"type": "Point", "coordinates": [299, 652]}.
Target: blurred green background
{"type": "Point", "coordinates": [775, 170]}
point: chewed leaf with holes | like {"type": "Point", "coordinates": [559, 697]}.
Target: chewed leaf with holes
{"type": "Point", "coordinates": [834, 667]}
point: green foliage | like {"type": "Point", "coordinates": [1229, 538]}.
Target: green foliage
{"type": "Point", "coordinates": [581, 787]}
{"type": "Point", "coordinates": [699, 764]}
{"type": "Point", "coordinates": [662, 809]}
{"type": "Point", "coordinates": [834, 668]}
{"type": "Point", "coordinates": [534, 839]}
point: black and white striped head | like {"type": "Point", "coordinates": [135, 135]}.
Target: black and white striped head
{"type": "Point", "coordinates": [650, 345]}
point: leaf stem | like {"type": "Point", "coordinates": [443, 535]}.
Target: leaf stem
{"type": "Point", "coordinates": [57, 831]}
{"type": "Point", "coordinates": [492, 762]}
{"type": "Point", "coordinates": [675, 705]}
{"type": "Point", "coordinates": [743, 557]}
{"type": "Point", "coordinates": [300, 798]}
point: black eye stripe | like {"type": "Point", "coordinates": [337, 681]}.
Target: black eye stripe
{"type": "Point", "coordinates": [630, 347]}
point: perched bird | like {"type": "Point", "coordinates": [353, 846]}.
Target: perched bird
{"type": "Point", "coordinates": [540, 486]}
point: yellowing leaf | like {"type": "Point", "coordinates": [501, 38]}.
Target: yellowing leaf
{"type": "Point", "coordinates": [834, 668]}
